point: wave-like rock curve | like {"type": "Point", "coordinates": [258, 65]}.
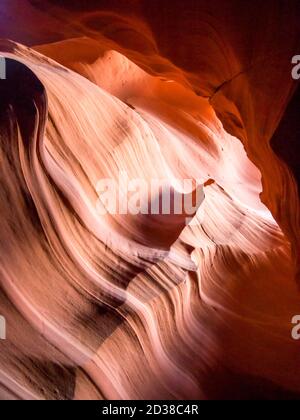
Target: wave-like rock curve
{"type": "Point", "coordinates": [142, 306]}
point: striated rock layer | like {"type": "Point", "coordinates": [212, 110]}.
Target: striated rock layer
{"type": "Point", "coordinates": [142, 306]}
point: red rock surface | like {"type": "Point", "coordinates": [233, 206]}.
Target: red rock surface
{"type": "Point", "coordinates": [136, 307]}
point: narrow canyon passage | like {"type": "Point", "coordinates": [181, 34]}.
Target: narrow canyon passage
{"type": "Point", "coordinates": [132, 304]}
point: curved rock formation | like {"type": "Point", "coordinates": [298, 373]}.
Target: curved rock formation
{"type": "Point", "coordinates": [148, 306]}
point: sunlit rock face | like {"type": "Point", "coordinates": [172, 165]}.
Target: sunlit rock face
{"type": "Point", "coordinates": [143, 306]}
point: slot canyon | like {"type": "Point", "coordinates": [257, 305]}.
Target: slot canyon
{"type": "Point", "coordinates": [132, 305]}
